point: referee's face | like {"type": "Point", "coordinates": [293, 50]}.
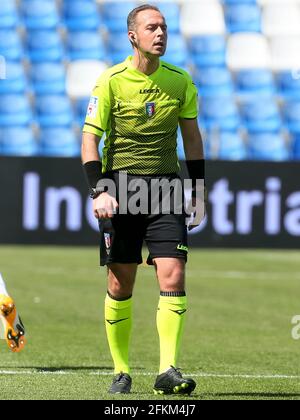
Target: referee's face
{"type": "Point", "coordinates": [151, 33]}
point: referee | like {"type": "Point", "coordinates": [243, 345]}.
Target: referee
{"type": "Point", "coordinates": [139, 104]}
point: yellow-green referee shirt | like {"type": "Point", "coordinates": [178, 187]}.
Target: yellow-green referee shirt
{"type": "Point", "coordinates": [140, 116]}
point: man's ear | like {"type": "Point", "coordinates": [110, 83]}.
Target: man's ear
{"type": "Point", "coordinates": [132, 38]}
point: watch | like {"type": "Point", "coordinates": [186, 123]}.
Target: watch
{"type": "Point", "coordinates": [94, 193]}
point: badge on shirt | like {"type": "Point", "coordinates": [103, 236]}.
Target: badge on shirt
{"type": "Point", "coordinates": [150, 109]}
{"type": "Point", "coordinates": [93, 107]}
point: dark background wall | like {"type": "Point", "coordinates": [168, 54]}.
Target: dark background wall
{"type": "Point", "coordinates": [45, 201]}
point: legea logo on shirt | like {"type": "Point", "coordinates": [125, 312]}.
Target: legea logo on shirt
{"type": "Point", "coordinates": [147, 91]}
{"type": "Point", "coordinates": [93, 107]}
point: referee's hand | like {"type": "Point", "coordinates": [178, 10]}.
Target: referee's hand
{"type": "Point", "coordinates": [198, 216]}
{"type": "Point", "coordinates": [200, 204]}
{"type": "Point", "coordinates": [105, 206]}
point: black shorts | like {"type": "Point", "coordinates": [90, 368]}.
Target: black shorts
{"type": "Point", "coordinates": [123, 236]}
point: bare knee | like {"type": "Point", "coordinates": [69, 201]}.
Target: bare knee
{"type": "Point", "coordinates": [170, 274]}
{"type": "Point", "coordinates": [121, 279]}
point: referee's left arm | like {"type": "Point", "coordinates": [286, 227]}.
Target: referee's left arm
{"type": "Point", "coordinates": [192, 139]}
{"type": "Point", "coordinates": [195, 161]}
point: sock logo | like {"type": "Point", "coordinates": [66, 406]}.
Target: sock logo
{"type": "Point", "coordinates": [180, 311]}
{"type": "Point", "coordinates": [112, 322]}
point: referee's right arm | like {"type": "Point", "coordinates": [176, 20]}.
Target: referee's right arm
{"type": "Point", "coordinates": [90, 148]}
{"type": "Point", "coordinates": [104, 205]}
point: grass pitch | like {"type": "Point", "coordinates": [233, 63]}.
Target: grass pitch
{"type": "Point", "coordinates": [237, 343]}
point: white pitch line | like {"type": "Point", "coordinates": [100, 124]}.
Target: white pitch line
{"type": "Point", "coordinates": [34, 372]}
{"type": "Point", "coordinates": [245, 275]}
{"type": "Point", "coordinates": [211, 375]}
{"type": "Point", "coordinates": [196, 375]}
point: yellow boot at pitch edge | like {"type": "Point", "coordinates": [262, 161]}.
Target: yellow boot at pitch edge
{"type": "Point", "coordinates": [13, 328]}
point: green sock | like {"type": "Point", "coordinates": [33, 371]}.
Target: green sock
{"type": "Point", "coordinates": [118, 322]}
{"type": "Point", "coordinates": [170, 323]}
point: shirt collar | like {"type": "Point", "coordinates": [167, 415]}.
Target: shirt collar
{"type": "Point", "coordinates": [128, 62]}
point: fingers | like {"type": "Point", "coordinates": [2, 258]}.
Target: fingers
{"type": "Point", "coordinates": [101, 214]}
{"type": "Point", "coordinates": [108, 210]}
{"type": "Point", "coordinates": [196, 219]}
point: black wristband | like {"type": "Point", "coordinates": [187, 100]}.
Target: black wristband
{"type": "Point", "coordinates": [196, 169]}
{"type": "Point", "coordinates": [93, 173]}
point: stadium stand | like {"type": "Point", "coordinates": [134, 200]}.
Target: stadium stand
{"type": "Point", "coordinates": [18, 141]}
{"type": "Point", "coordinates": [214, 81]}
{"type": "Point", "coordinates": [59, 142]}
{"type": "Point", "coordinates": [243, 18]}
{"type": "Point", "coordinates": [86, 45]}
{"type": "Point", "coordinates": [251, 84]}
{"type": "Point", "coordinates": [207, 50]}
{"type": "Point", "coordinates": [39, 15]}
{"type": "Point", "coordinates": [285, 53]}
{"type": "Point", "coordinates": [177, 52]}
{"type": "Point", "coordinates": [48, 78]}
{"type": "Point", "coordinates": [44, 46]}
{"type": "Point", "coordinates": [172, 13]}
{"type": "Point", "coordinates": [291, 112]}
{"type": "Point", "coordinates": [10, 45]}
{"type": "Point", "coordinates": [54, 111]}
{"type": "Point", "coordinates": [8, 15]}
{"type": "Point", "coordinates": [205, 17]}
{"type": "Point", "coordinates": [268, 146]}
{"type": "Point", "coordinates": [81, 15]}
{"type": "Point", "coordinates": [80, 109]}
{"type": "Point", "coordinates": [243, 55]}
{"type": "Point", "coordinates": [289, 84]}
{"type": "Point", "coordinates": [15, 110]}
{"type": "Point", "coordinates": [231, 147]}
{"type": "Point", "coordinates": [247, 51]}
{"type": "Point", "coordinates": [296, 147]}
{"type": "Point", "coordinates": [261, 115]}
{"type": "Point", "coordinates": [15, 81]}
{"type": "Point", "coordinates": [278, 20]}
{"type": "Point", "coordinates": [219, 113]}
{"type": "Point", "coordinates": [115, 15]}
{"type": "Point", "coordinates": [118, 47]}
{"type": "Point", "coordinates": [78, 85]}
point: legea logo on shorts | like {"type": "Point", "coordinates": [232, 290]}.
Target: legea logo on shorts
{"type": "Point", "coordinates": [2, 68]}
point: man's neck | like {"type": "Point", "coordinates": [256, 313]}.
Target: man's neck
{"type": "Point", "coordinates": [144, 64]}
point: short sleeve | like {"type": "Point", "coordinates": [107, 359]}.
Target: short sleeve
{"type": "Point", "coordinates": [190, 107]}
{"type": "Point", "coordinates": [99, 108]}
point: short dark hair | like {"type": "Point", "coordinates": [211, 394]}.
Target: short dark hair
{"type": "Point", "coordinates": [131, 20]}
